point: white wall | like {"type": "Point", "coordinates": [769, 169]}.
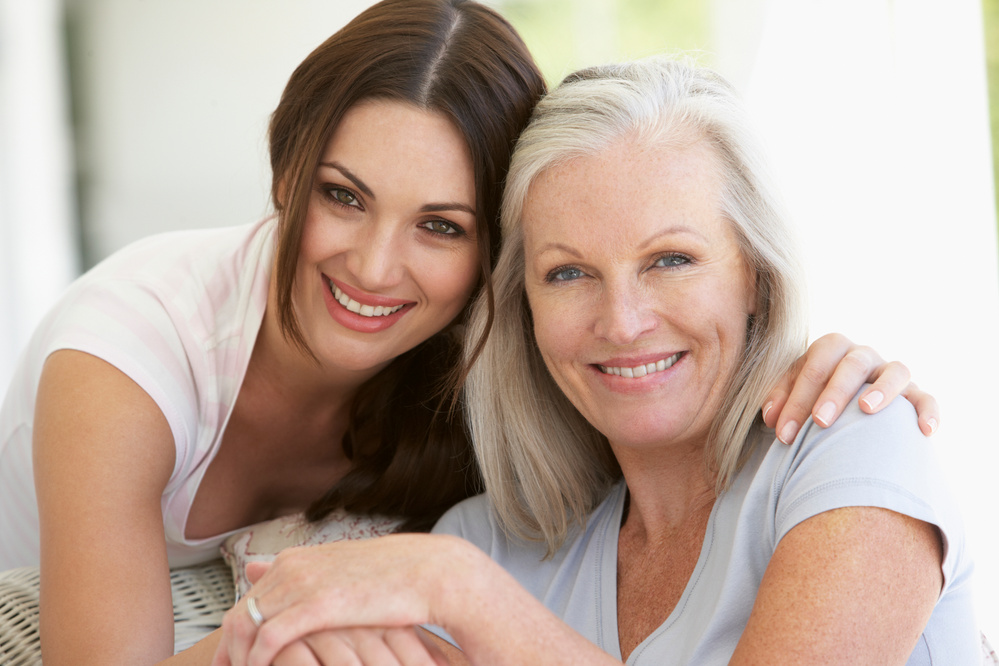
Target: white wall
{"type": "Point", "coordinates": [877, 121]}
{"type": "Point", "coordinates": [38, 253]}
{"type": "Point", "coordinates": [174, 101]}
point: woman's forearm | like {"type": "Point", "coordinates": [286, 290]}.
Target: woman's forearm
{"type": "Point", "coordinates": [399, 581]}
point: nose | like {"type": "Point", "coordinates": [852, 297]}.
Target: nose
{"type": "Point", "coordinates": [377, 260]}
{"type": "Point", "coordinates": [624, 314]}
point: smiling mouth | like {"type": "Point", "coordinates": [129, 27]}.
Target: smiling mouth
{"type": "Point", "coordinates": [642, 370]}
{"type": "Point", "coordinates": [360, 309]}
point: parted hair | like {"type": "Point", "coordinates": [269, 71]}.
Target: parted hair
{"type": "Point", "coordinates": [460, 59]}
{"type": "Point", "coordinates": [543, 464]}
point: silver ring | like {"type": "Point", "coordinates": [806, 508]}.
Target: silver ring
{"type": "Point", "coordinates": [255, 614]}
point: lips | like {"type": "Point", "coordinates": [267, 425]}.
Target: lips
{"type": "Point", "coordinates": [358, 311]}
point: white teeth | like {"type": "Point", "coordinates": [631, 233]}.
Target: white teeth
{"type": "Point", "coordinates": [363, 310]}
{"type": "Point", "coordinates": [641, 370]}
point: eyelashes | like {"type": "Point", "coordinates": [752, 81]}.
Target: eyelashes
{"type": "Point", "coordinates": [669, 261]}
{"type": "Point", "coordinates": [340, 196]}
{"type": "Point", "coordinates": [345, 198]}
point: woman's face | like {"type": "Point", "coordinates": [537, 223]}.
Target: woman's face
{"type": "Point", "coordinates": [638, 290]}
{"type": "Point", "coordinates": [388, 255]}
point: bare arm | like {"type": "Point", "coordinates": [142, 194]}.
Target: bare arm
{"type": "Point", "coordinates": [402, 581]}
{"type": "Point", "coordinates": [848, 586]}
{"type": "Point", "coordinates": [103, 453]}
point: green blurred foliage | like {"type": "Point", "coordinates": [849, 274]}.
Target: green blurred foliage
{"type": "Point", "coordinates": [991, 10]}
{"type": "Point", "coordinates": [618, 30]}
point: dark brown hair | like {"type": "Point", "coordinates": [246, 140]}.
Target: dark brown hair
{"type": "Point", "coordinates": [463, 60]}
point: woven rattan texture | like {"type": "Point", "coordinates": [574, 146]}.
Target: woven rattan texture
{"type": "Point", "coordinates": [201, 595]}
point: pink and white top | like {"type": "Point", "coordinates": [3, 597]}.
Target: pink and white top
{"type": "Point", "coordinates": [178, 313]}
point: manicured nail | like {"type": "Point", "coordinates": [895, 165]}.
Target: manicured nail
{"type": "Point", "coordinates": [825, 414]}
{"type": "Point", "coordinates": [788, 433]}
{"type": "Point", "coordinates": [932, 423]}
{"type": "Point", "coordinates": [873, 399]}
{"type": "Point", "coordinates": [766, 409]}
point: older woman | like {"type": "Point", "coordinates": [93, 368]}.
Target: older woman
{"type": "Point", "coordinates": [647, 298]}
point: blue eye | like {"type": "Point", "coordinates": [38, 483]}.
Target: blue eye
{"type": "Point", "coordinates": [671, 260]}
{"type": "Point", "coordinates": [564, 274]}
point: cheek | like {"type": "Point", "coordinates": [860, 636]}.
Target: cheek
{"type": "Point", "coordinates": [454, 279]}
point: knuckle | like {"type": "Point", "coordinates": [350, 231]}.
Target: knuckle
{"type": "Point", "coordinates": [814, 374]}
{"type": "Point", "coordinates": [858, 360]}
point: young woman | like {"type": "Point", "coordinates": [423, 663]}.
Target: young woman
{"type": "Point", "coordinates": [637, 508]}
{"type": "Point", "coordinates": [197, 383]}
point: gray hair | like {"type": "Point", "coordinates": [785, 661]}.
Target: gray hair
{"type": "Point", "coordinates": [544, 465]}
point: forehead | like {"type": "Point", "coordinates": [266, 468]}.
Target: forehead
{"type": "Point", "coordinates": [397, 148]}
{"type": "Point", "coordinates": [397, 126]}
{"type": "Point", "coordinates": [631, 183]}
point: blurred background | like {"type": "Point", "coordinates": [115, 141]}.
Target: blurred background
{"type": "Point", "coordinates": [123, 118]}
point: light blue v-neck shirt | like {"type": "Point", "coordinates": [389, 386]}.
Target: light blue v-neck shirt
{"type": "Point", "coordinates": [881, 460]}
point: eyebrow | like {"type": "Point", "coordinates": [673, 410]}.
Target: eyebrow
{"type": "Point", "coordinates": [358, 183]}
{"type": "Point", "coordinates": [668, 231]}
{"type": "Point", "coordinates": [428, 208]}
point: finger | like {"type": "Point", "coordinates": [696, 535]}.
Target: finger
{"type": "Point", "coordinates": [352, 646]}
{"type": "Point", "coordinates": [889, 381]}
{"type": "Point", "coordinates": [817, 363]}
{"type": "Point", "coordinates": [370, 646]}
{"type": "Point", "coordinates": [238, 634]}
{"type": "Point", "coordinates": [299, 654]}
{"type": "Point", "coordinates": [818, 369]}
{"type": "Point", "coordinates": [926, 407]}
{"type": "Point", "coordinates": [859, 366]}
{"type": "Point", "coordinates": [256, 570]}
{"type": "Point", "coordinates": [775, 402]}
{"type": "Point", "coordinates": [410, 649]}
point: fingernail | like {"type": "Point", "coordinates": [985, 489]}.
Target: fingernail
{"type": "Point", "coordinates": [788, 433]}
{"type": "Point", "coordinates": [932, 423]}
{"type": "Point", "coordinates": [766, 409]}
{"type": "Point", "coordinates": [825, 414]}
{"type": "Point", "coordinates": [873, 399]}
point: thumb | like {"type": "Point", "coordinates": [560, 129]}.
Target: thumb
{"type": "Point", "coordinates": [256, 570]}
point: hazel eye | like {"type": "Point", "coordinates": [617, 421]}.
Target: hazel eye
{"type": "Point", "coordinates": [672, 260]}
{"type": "Point", "coordinates": [443, 227]}
{"type": "Point", "coordinates": [341, 195]}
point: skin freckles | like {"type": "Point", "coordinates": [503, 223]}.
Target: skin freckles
{"type": "Point", "coordinates": [616, 291]}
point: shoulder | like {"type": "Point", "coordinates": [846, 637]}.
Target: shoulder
{"type": "Point", "coordinates": [473, 520]}
{"type": "Point", "coordinates": [185, 281]}
{"type": "Point", "coordinates": [880, 460]}
{"type": "Point", "coordinates": [176, 251]}
{"type": "Point", "coordinates": [860, 449]}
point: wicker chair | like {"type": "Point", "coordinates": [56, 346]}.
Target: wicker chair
{"type": "Point", "coordinates": [201, 595]}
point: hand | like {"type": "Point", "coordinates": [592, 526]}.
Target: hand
{"type": "Point", "coordinates": [390, 582]}
{"type": "Point", "coordinates": [362, 646]}
{"type": "Point", "coordinates": [830, 373]}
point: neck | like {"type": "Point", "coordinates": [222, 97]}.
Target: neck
{"type": "Point", "coordinates": [666, 488]}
